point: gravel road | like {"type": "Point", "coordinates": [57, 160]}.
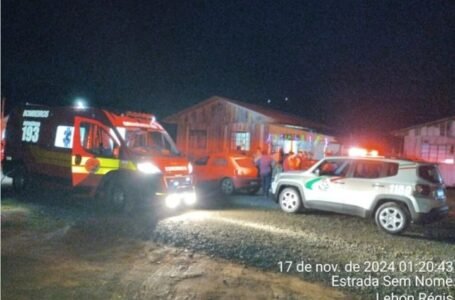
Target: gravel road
{"type": "Point", "coordinates": [253, 230]}
{"type": "Point", "coordinates": [59, 246]}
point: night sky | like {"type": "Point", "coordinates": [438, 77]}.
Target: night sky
{"type": "Point", "coordinates": [355, 65]}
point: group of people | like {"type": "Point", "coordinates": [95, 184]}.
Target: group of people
{"type": "Point", "coordinates": [270, 165]}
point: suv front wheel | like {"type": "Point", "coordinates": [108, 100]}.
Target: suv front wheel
{"type": "Point", "coordinates": [392, 217]}
{"type": "Point", "coordinates": [290, 200]}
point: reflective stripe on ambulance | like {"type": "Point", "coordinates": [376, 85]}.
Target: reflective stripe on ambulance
{"type": "Point", "coordinates": [92, 165]}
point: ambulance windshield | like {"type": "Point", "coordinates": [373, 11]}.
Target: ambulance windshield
{"type": "Point", "coordinates": [148, 141]}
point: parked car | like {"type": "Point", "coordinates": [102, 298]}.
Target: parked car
{"type": "Point", "coordinates": [227, 173]}
{"type": "Point", "coordinates": [394, 192]}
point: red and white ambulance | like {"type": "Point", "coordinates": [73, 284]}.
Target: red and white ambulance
{"type": "Point", "coordinates": [120, 157]}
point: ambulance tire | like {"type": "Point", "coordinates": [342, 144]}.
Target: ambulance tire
{"type": "Point", "coordinates": [21, 180]}
{"type": "Point", "coordinates": [120, 198]}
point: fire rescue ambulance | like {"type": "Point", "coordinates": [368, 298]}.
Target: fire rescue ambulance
{"type": "Point", "coordinates": [117, 157]}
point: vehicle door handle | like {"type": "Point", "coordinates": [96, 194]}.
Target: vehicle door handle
{"type": "Point", "coordinates": [78, 159]}
{"type": "Point", "coordinates": [377, 185]}
{"type": "Point", "coordinates": [338, 182]}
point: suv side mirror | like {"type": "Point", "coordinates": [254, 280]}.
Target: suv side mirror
{"type": "Point", "coordinates": [317, 172]}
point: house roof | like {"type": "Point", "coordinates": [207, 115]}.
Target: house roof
{"type": "Point", "coordinates": [403, 131]}
{"type": "Point", "coordinates": [278, 117]}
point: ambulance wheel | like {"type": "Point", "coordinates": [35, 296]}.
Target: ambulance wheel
{"type": "Point", "coordinates": [21, 180]}
{"type": "Point", "coordinates": [120, 198]}
{"type": "Point", "coordinates": [227, 186]}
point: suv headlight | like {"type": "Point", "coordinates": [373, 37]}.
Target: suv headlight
{"type": "Point", "coordinates": [190, 168]}
{"type": "Point", "coordinates": [148, 168]}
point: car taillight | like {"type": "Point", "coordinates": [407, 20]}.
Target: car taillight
{"type": "Point", "coordinates": [423, 189]}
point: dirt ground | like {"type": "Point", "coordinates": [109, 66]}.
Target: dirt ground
{"type": "Point", "coordinates": [58, 246]}
{"type": "Point", "coordinates": [59, 253]}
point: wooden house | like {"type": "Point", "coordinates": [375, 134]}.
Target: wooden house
{"type": "Point", "coordinates": [434, 142]}
{"type": "Point", "coordinates": [224, 125]}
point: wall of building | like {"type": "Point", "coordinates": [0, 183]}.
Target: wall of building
{"type": "Point", "coordinates": [221, 126]}
{"type": "Point", "coordinates": [434, 143]}
{"type": "Point", "coordinates": [209, 129]}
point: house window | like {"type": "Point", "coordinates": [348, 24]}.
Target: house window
{"type": "Point", "coordinates": [198, 139]}
{"type": "Point", "coordinates": [435, 153]}
{"type": "Point", "coordinates": [241, 141]}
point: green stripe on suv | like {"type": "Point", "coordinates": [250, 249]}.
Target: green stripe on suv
{"type": "Point", "coordinates": [309, 184]}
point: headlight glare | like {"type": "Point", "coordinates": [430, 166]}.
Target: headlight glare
{"type": "Point", "coordinates": [148, 168]}
{"type": "Point", "coordinates": [190, 199]}
{"type": "Point", "coordinates": [172, 201]}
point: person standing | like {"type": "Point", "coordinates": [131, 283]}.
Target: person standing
{"type": "Point", "coordinates": [302, 160]}
{"type": "Point", "coordinates": [291, 162]}
{"type": "Point", "coordinates": [257, 155]}
{"type": "Point", "coordinates": [277, 166]}
{"type": "Point", "coordinates": [265, 162]}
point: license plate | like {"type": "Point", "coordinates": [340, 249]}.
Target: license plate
{"type": "Point", "coordinates": [253, 183]}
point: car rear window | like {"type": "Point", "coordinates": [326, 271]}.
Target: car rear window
{"type": "Point", "coordinates": [430, 173]}
{"type": "Point", "coordinates": [245, 162]}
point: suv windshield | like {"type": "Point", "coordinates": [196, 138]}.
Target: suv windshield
{"type": "Point", "coordinates": [430, 173]}
{"type": "Point", "coordinates": [148, 141]}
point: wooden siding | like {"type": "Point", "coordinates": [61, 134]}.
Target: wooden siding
{"type": "Point", "coordinates": [220, 120]}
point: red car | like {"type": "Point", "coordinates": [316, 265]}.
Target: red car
{"type": "Point", "coordinates": [227, 172]}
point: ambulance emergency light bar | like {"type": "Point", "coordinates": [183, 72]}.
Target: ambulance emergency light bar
{"type": "Point", "coordinates": [141, 116]}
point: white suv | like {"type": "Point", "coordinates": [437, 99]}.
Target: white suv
{"type": "Point", "coordinates": [393, 191]}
